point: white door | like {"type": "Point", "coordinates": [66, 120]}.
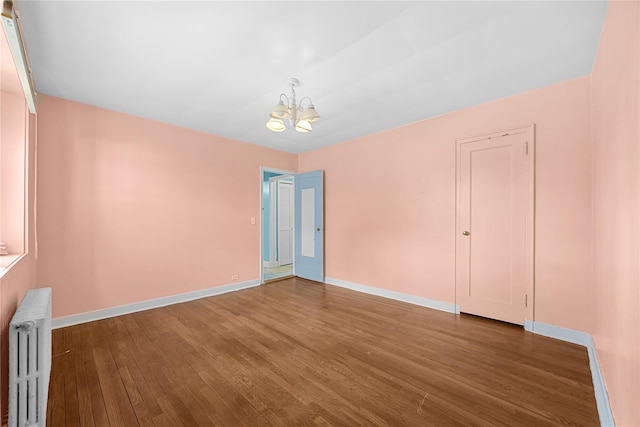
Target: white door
{"type": "Point", "coordinates": [494, 230]}
{"type": "Point", "coordinates": [285, 222]}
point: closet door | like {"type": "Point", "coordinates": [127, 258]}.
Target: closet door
{"type": "Point", "coordinates": [492, 241]}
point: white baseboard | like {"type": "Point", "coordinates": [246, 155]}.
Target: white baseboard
{"type": "Point", "coordinates": [90, 316]}
{"type": "Point", "coordinates": [586, 340]}
{"type": "Point", "coordinates": [564, 334]}
{"type": "Point", "coordinates": [602, 397]}
{"type": "Point", "coordinates": [398, 296]}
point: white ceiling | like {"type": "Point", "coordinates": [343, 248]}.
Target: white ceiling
{"type": "Point", "coordinates": [219, 67]}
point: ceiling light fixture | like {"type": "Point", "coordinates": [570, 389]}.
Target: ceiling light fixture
{"type": "Point", "coordinates": [300, 119]}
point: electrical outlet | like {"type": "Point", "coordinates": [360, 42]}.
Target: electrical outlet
{"type": "Point", "coordinates": [234, 277]}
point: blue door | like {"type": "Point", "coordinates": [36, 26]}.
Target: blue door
{"type": "Point", "coordinates": [309, 226]}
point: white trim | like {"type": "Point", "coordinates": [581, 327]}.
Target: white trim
{"type": "Point", "coordinates": [91, 316]}
{"type": "Point", "coordinates": [602, 397]}
{"type": "Point", "coordinates": [586, 340]}
{"type": "Point", "coordinates": [9, 262]}
{"type": "Point", "coordinates": [280, 183]}
{"type": "Point", "coordinates": [266, 264]}
{"type": "Point", "coordinates": [275, 170]}
{"type": "Point", "coordinates": [528, 325]}
{"type": "Point", "coordinates": [13, 29]}
{"type": "Point", "coordinates": [564, 334]}
{"type": "Point", "coordinates": [398, 296]}
{"type": "Point", "coordinates": [273, 203]}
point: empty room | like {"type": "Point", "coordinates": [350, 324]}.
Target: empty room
{"type": "Point", "coordinates": [356, 213]}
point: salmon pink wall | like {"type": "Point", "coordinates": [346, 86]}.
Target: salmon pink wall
{"type": "Point", "coordinates": [390, 201]}
{"type": "Point", "coordinates": [13, 285]}
{"type": "Point", "coordinates": [21, 276]}
{"type": "Point", "coordinates": [616, 201]}
{"type": "Point", "coordinates": [12, 171]}
{"type": "Point", "coordinates": [130, 209]}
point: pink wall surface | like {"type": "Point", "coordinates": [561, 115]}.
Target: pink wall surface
{"type": "Point", "coordinates": [19, 278]}
{"type": "Point", "coordinates": [22, 275]}
{"type": "Point", "coordinates": [13, 285]}
{"type": "Point", "coordinates": [616, 202]}
{"type": "Point", "coordinates": [12, 170]}
{"type": "Point", "coordinates": [130, 209]}
{"type": "Point", "coordinates": [9, 80]}
{"type": "Point", "coordinates": [390, 201]}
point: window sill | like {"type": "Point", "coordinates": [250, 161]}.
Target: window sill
{"type": "Point", "coordinates": [8, 261]}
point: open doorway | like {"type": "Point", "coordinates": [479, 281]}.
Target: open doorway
{"type": "Point", "coordinates": [277, 224]}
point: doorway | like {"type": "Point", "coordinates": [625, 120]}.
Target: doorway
{"type": "Point", "coordinates": [291, 224]}
{"type": "Point", "coordinates": [494, 225]}
{"type": "Point", "coordinates": [281, 214]}
{"type": "Point", "coordinates": [276, 224]}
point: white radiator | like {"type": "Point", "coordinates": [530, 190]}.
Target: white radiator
{"type": "Point", "coordinates": [30, 359]}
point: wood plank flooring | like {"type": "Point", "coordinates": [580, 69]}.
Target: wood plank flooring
{"type": "Point", "coordinates": [296, 352]}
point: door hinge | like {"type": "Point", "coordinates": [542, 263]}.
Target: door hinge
{"type": "Point", "coordinates": [526, 148]}
{"type": "Point", "coordinates": [525, 300]}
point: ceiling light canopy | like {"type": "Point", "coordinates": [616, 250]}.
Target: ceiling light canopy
{"type": "Point", "coordinates": [287, 109]}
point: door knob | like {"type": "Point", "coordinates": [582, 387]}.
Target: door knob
{"type": "Point", "coordinates": [318, 229]}
{"type": "Point", "coordinates": [465, 233]}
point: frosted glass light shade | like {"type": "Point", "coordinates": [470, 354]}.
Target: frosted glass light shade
{"type": "Point", "coordinates": [310, 114]}
{"type": "Point", "coordinates": [276, 125]}
{"type": "Point", "coordinates": [303, 126]}
{"type": "Point", "coordinates": [280, 111]}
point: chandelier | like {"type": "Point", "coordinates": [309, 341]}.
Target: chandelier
{"type": "Point", "coordinates": [287, 109]}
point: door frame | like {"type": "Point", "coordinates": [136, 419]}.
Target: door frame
{"type": "Point", "coordinates": [264, 169]}
{"type": "Point", "coordinates": [274, 210]}
{"type": "Point", "coordinates": [529, 131]}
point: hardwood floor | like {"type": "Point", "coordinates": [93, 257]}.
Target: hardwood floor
{"type": "Point", "coordinates": [296, 352]}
